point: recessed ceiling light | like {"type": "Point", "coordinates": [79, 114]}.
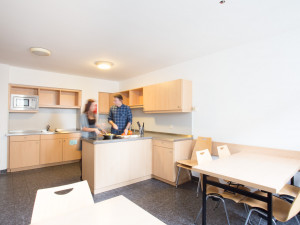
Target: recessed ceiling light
{"type": "Point", "coordinates": [104, 65]}
{"type": "Point", "coordinates": [40, 51]}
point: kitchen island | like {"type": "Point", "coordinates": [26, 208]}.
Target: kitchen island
{"type": "Point", "coordinates": [109, 164]}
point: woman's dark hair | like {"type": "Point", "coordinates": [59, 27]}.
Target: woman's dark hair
{"type": "Point", "coordinates": [88, 105]}
{"type": "Point", "coordinates": [120, 97]}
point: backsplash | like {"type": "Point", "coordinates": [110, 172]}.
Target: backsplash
{"type": "Point", "coordinates": [177, 123]}
{"type": "Point", "coordinates": [56, 118]}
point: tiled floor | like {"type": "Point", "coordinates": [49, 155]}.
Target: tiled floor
{"type": "Point", "coordinates": [172, 206]}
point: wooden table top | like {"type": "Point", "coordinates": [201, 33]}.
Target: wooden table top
{"type": "Point", "coordinates": [264, 172]}
{"type": "Point", "coordinates": [118, 210]}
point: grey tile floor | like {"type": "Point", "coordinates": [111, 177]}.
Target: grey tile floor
{"type": "Point", "coordinates": [172, 206]}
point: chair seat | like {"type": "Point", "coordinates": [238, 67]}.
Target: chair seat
{"type": "Point", "coordinates": [187, 162]}
{"type": "Point", "coordinates": [289, 190]}
{"type": "Point", "coordinates": [226, 194]}
{"type": "Point", "coordinates": [280, 206]}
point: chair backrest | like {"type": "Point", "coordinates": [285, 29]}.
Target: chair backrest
{"type": "Point", "coordinates": [201, 144]}
{"type": "Point", "coordinates": [223, 151]}
{"type": "Point", "coordinates": [295, 207]}
{"type": "Point", "coordinates": [59, 200]}
{"type": "Point", "coordinates": [203, 156]}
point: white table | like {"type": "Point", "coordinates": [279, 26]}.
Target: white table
{"type": "Point", "coordinates": [118, 210]}
{"type": "Point", "coordinates": [264, 172]}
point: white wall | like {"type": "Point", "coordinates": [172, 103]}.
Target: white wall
{"type": "Point", "coordinates": [245, 95]}
{"type": "Point", "coordinates": [4, 77]}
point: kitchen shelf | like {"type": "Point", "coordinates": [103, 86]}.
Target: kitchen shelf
{"type": "Point", "coordinates": [49, 97]}
{"type": "Point", "coordinates": [69, 98]}
{"type": "Point", "coordinates": [23, 90]}
{"type": "Point", "coordinates": [136, 98]}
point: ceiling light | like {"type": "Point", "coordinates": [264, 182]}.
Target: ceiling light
{"type": "Point", "coordinates": [40, 51]}
{"type": "Point", "coordinates": [104, 65]}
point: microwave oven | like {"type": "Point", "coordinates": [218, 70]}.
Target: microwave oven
{"type": "Point", "coordinates": [24, 102]}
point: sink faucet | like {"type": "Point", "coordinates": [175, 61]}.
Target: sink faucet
{"type": "Point", "coordinates": [48, 127]}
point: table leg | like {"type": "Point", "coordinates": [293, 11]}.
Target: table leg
{"type": "Point", "coordinates": [293, 181]}
{"type": "Point", "coordinates": [270, 209]}
{"type": "Point", "coordinates": [204, 200]}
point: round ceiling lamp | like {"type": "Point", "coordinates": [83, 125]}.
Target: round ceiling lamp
{"type": "Point", "coordinates": [40, 51]}
{"type": "Point", "coordinates": [104, 65]}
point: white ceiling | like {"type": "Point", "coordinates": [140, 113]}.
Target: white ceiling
{"type": "Point", "coordinates": [138, 36]}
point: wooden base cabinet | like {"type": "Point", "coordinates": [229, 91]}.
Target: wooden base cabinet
{"type": "Point", "coordinates": [165, 154]}
{"type": "Point", "coordinates": [71, 148]}
{"type": "Point", "coordinates": [51, 151]}
{"type": "Point", "coordinates": [163, 163]}
{"type": "Point", "coordinates": [35, 151]}
{"type": "Point", "coordinates": [24, 153]}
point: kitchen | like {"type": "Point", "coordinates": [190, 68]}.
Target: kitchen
{"type": "Point", "coordinates": [211, 85]}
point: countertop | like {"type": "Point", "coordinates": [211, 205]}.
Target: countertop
{"type": "Point", "coordinates": [39, 132]}
{"type": "Point", "coordinates": [147, 135]}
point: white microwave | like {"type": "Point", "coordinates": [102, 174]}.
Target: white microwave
{"type": "Point", "coordinates": [24, 102]}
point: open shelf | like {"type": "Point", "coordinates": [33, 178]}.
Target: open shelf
{"type": "Point", "coordinates": [136, 98]}
{"type": "Point", "coordinates": [48, 97]}
{"type": "Point", "coordinates": [69, 98]}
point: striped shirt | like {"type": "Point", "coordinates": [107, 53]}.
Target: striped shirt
{"type": "Point", "coordinates": [121, 116]}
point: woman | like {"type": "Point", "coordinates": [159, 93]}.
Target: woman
{"type": "Point", "coordinates": [89, 128]}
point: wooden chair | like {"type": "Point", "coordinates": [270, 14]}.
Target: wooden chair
{"type": "Point", "coordinates": [283, 211]}
{"type": "Point", "coordinates": [187, 164]}
{"type": "Point", "coordinates": [223, 151]}
{"type": "Point", "coordinates": [215, 192]}
{"type": "Point", "coordinates": [56, 201]}
{"type": "Point", "coordinates": [289, 192]}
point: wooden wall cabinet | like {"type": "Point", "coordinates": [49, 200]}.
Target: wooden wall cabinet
{"type": "Point", "coordinates": [167, 97]}
{"type": "Point", "coordinates": [24, 151]}
{"type": "Point", "coordinates": [103, 102]}
{"type": "Point", "coordinates": [136, 98]}
{"type": "Point", "coordinates": [165, 154]}
{"type": "Point", "coordinates": [49, 97]}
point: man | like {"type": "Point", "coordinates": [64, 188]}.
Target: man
{"type": "Point", "coordinates": [120, 116]}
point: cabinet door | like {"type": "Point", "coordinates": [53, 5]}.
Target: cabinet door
{"type": "Point", "coordinates": [71, 149]}
{"type": "Point", "coordinates": [163, 163]}
{"type": "Point", "coordinates": [150, 97]}
{"type": "Point", "coordinates": [165, 96]}
{"type": "Point", "coordinates": [24, 153]}
{"type": "Point", "coordinates": [103, 103]}
{"type": "Point", "coordinates": [51, 151]}
{"type": "Point", "coordinates": [172, 95]}
{"type": "Point", "coordinates": [111, 100]}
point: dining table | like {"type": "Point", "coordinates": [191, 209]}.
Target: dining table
{"type": "Point", "coordinates": [265, 172]}
{"type": "Point", "coordinates": [117, 210]}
